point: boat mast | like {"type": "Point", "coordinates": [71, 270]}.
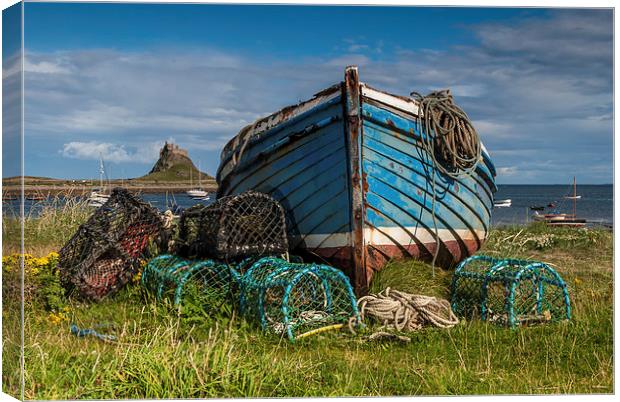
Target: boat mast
{"type": "Point", "coordinates": [199, 183]}
{"type": "Point", "coordinates": [101, 172]}
{"type": "Point", "coordinates": [574, 197]}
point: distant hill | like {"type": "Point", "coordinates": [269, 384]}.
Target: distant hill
{"type": "Point", "coordinates": [172, 172]}
{"type": "Point", "coordinates": [175, 165]}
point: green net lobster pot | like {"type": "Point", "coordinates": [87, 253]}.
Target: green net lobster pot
{"type": "Point", "coordinates": [234, 227]}
{"type": "Point", "coordinates": [210, 283]}
{"type": "Point", "coordinates": [290, 299]}
{"type": "Point", "coordinates": [105, 252]}
{"type": "Point", "coordinates": [509, 292]}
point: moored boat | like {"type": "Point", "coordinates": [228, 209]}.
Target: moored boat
{"type": "Point", "coordinates": [502, 203]}
{"type": "Point", "coordinates": [549, 217]}
{"type": "Point", "coordinates": [196, 193]}
{"type": "Point", "coordinates": [99, 196]}
{"type": "Point", "coordinates": [358, 186]}
{"type": "Point", "coordinates": [562, 219]}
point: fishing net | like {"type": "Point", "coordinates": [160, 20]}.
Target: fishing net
{"type": "Point", "coordinates": [291, 299]}
{"type": "Point", "coordinates": [234, 227]}
{"type": "Point", "coordinates": [208, 282]}
{"type": "Point", "coordinates": [105, 252]}
{"type": "Point", "coordinates": [509, 291]}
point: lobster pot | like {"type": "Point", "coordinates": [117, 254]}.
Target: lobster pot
{"type": "Point", "coordinates": [234, 227]}
{"type": "Point", "coordinates": [209, 283]}
{"type": "Point", "coordinates": [105, 251]}
{"type": "Point", "coordinates": [290, 298]}
{"type": "Point", "coordinates": [509, 291]}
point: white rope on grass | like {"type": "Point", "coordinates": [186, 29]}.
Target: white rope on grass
{"type": "Point", "coordinates": [402, 311]}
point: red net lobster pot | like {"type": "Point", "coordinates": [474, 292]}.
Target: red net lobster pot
{"type": "Point", "coordinates": [105, 252]}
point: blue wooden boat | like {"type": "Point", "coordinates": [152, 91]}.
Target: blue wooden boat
{"type": "Point", "coordinates": [357, 187]}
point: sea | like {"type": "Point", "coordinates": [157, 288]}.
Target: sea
{"type": "Point", "coordinates": [595, 205]}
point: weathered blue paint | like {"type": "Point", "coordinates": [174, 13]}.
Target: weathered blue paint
{"type": "Point", "coordinates": [399, 189]}
{"type": "Point", "coordinates": [305, 162]}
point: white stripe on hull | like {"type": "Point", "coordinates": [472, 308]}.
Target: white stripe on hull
{"type": "Point", "coordinates": [406, 105]}
{"type": "Point", "coordinates": [383, 237]}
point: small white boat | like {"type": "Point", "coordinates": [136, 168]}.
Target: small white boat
{"type": "Point", "coordinates": [548, 217]}
{"type": "Point", "coordinates": [576, 197]}
{"type": "Point", "coordinates": [502, 203]}
{"type": "Point", "coordinates": [96, 203]}
{"type": "Point", "coordinates": [197, 192]}
{"type": "Point", "coordinates": [98, 196]}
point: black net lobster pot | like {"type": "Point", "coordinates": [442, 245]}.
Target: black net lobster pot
{"type": "Point", "coordinates": [244, 225]}
{"type": "Point", "coordinates": [105, 252]}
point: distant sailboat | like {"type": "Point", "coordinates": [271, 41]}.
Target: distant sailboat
{"type": "Point", "coordinates": [197, 192]}
{"type": "Point", "coordinates": [98, 196]}
{"type": "Point", "coordinates": [564, 219]}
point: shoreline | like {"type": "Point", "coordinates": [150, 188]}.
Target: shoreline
{"type": "Point", "coordinates": [77, 190]}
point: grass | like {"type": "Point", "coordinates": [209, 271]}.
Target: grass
{"type": "Point", "coordinates": [164, 354]}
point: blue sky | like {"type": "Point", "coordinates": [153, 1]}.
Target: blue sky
{"type": "Point", "coordinates": [121, 78]}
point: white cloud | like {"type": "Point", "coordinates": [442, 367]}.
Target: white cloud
{"type": "Point", "coordinates": [93, 150]}
{"type": "Point", "coordinates": [530, 84]}
{"type": "Point", "coordinates": [11, 66]}
{"type": "Point", "coordinates": [44, 67]}
{"type": "Point", "coordinates": [507, 171]}
{"type": "Point", "coordinates": [358, 48]}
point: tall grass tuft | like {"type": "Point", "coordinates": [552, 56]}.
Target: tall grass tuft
{"type": "Point", "coordinates": [48, 225]}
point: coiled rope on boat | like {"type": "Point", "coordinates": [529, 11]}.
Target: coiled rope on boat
{"type": "Point", "coordinates": [448, 134]}
{"type": "Point", "coordinates": [402, 311]}
{"type": "Point", "coordinates": [450, 139]}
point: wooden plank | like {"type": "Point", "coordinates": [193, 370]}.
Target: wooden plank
{"type": "Point", "coordinates": [354, 143]}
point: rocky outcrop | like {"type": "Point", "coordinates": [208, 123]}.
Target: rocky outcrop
{"type": "Point", "coordinates": [171, 155]}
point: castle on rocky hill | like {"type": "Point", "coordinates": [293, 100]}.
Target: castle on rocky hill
{"type": "Point", "coordinates": [169, 156]}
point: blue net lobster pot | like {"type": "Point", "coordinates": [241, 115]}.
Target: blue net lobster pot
{"type": "Point", "coordinates": [290, 299]}
{"type": "Point", "coordinates": [509, 292]}
{"type": "Point", "coordinates": [211, 283]}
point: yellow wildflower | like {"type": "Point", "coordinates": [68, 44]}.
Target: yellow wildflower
{"type": "Point", "coordinates": [578, 281]}
{"type": "Point", "coordinates": [57, 318]}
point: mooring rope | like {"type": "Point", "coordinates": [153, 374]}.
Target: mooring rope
{"type": "Point", "coordinates": [450, 139]}
{"type": "Point", "coordinates": [81, 333]}
{"type": "Point", "coordinates": [402, 311]}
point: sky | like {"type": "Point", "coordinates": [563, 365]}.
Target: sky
{"type": "Point", "coordinates": [120, 79]}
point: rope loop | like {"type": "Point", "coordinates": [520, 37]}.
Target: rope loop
{"type": "Point", "coordinates": [407, 312]}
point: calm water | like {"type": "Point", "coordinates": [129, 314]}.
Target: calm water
{"type": "Point", "coordinates": [160, 201]}
{"type": "Point", "coordinates": [596, 202]}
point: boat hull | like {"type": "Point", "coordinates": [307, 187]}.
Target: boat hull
{"type": "Point", "coordinates": [357, 186]}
